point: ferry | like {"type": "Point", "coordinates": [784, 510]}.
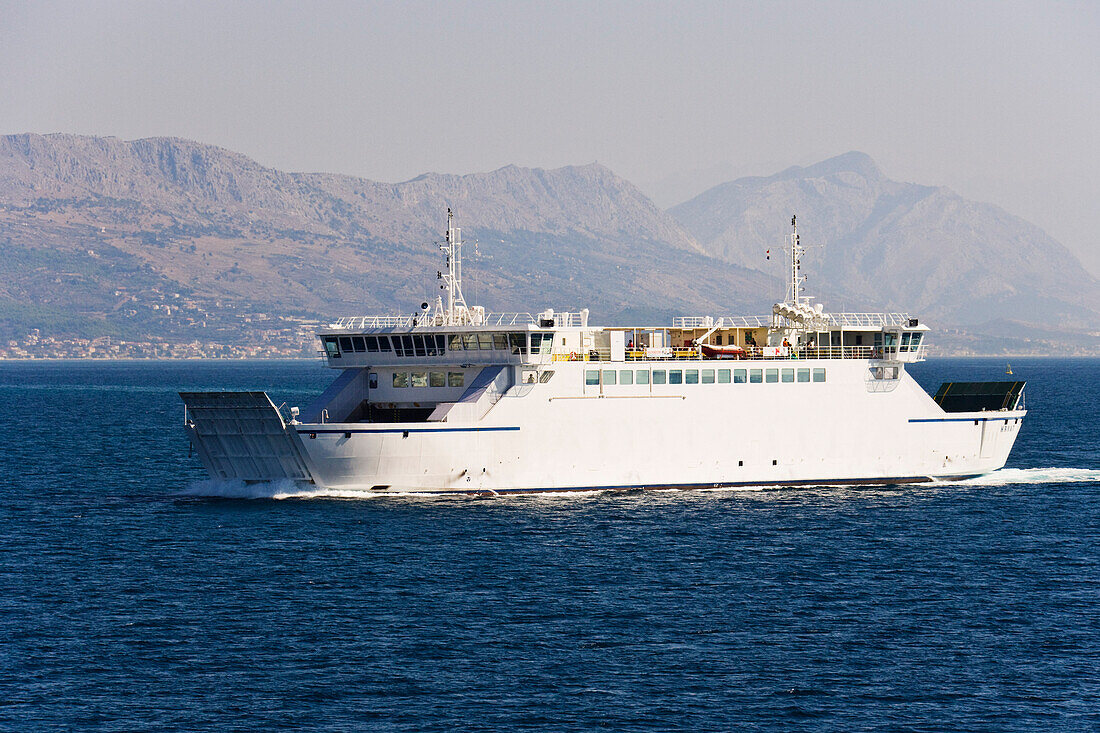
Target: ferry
{"type": "Point", "coordinates": [453, 400]}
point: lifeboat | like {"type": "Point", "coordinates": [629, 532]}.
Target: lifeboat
{"type": "Point", "coordinates": [722, 352]}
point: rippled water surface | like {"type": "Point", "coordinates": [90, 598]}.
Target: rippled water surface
{"type": "Point", "coordinates": [136, 597]}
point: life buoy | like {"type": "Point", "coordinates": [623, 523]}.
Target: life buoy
{"type": "Point", "coordinates": [572, 356]}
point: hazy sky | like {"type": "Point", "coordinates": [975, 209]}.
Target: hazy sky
{"type": "Point", "coordinates": [997, 100]}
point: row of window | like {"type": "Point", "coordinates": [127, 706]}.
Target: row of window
{"type": "Point", "coordinates": [416, 344]}
{"type": "Point", "coordinates": [594, 377]}
{"type": "Point", "coordinates": [429, 379]}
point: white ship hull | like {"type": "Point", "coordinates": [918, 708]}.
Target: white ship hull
{"type": "Point", "coordinates": [564, 436]}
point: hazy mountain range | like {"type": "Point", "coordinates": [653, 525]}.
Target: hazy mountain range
{"type": "Point", "coordinates": [92, 230]}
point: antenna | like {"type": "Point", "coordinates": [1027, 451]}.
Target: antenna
{"type": "Point", "coordinates": [795, 277]}
{"type": "Point", "coordinates": [452, 279]}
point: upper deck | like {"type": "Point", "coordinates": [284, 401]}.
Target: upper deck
{"type": "Point", "coordinates": [520, 338]}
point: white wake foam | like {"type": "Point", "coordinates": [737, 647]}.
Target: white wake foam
{"type": "Point", "coordinates": [283, 489]}
{"type": "Point", "coordinates": [1051, 475]}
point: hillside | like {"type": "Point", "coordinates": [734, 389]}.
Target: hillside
{"type": "Point", "coordinates": [878, 244]}
{"type": "Point", "coordinates": [96, 231]}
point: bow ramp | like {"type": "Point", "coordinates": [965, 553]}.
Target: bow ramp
{"type": "Point", "coordinates": [242, 436]}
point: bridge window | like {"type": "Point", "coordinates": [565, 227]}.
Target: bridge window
{"type": "Point", "coordinates": [437, 379]}
{"type": "Point", "coordinates": [455, 340]}
{"type": "Point", "coordinates": [658, 376]}
{"type": "Point", "coordinates": [429, 344]}
{"type": "Point", "coordinates": [691, 376]}
{"type": "Point", "coordinates": [400, 379]}
{"type": "Point", "coordinates": [398, 349]}
{"type": "Point", "coordinates": [456, 379]}
{"type": "Point", "coordinates": [418, 379]}
{"type": "Point", "coordinates": [771, 376]}
{"type": "Point", "coordinates": [723, 376]}
{"type": "Point", "coordinates": [469, 340]}
{"type": "Point", "coordinates": [626, 376]}
{"type": "Point", "coordinates": [819, 375]}
{"type": "Point", "coordinates": [371, 343]}
{"type": "Point", "coordinates": [407, 343]}
{"type": "Point", "coordinates": [384, 343]}
{"type": "Point", "coordinates": [331, 347]}
{"type": "Point", "coordinates": [642, 376]}
{"type": "Point", "coordinates": [592, 377]}
{"type": "Point", "coordinates": [519, 343]}
{"type": "Point", "coordinates": [739, 376]}
{"type": "Point", "coordinates": [788, 375]}
{"type": "Point", "coordinates": [500, 341]}
{"type": "Point", "coordinates": [345, 344]}
{"type": "Point", "coordinates": [418, 344]}
{"type": "Point", "coordinates": [675, 376]}
{"type": "Point", "coordinates": [803, 375]}
{"type": "Point", "coordinates": [357, 342]}
{"type": "Point", "coordinates": [440, 343]}
{"type": "Point", "coordinates": [485, 341]}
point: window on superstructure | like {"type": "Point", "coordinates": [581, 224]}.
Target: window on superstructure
{"type": "Point", "coordinates": [658, 376]}
{"type": "Point", "coordinates": [345, 344]}
{"type": "Point", "coordinates": [591, 377]}
{"type": "Point", "coordinates": [400, 379]}
{"type": "Point", "coordinates": [642, 376]}
{"type": "Point", "coordinates": [519, 343]}
{"type": "Point", "coordinates": [626, 376]}
{"type": "Point", "coordinates": [708, 376]}
{"type": "Point", "coordinates": [723, 376]}
{"type": "Point", "coordinates": [455, 342]}
{"type": "Point", "coordinates": [691, 376]}
{"type": "Point", "coordinates": [803, 375]}
{"type": "Point", "coordinates": [371, 343]}
{"type": "Point", "coordinates": [771, 376]}
{"type": "Point", "coordinates": [357, 342]}
{"type": "Point", "coordinates": [756, 376]}
{"type": "Point", "coordinates": [437, 379]}
{"type": "Point", "coordinates": [485, 341]}
{"type": "Point", "coordinates": [609, 376]}
{"type": "Point", "coordinates": [740, 376]}
{"type": "Point", "coordinates": [819, 375]}
{"type": "Point", "coordinates": [418, 379]}
{"type": "Point", "coordinates": [456, 379]}
{"type": "Point", "coordinates": [787, 375]}
{"type": "Point", "coordinates": [500, 341]}
{"type": "Point", "coordinates": [546, 376]}
{"type": "Point", "coordinates": [675, 376]}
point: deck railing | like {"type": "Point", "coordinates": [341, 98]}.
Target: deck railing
{"type": "Point", "coordinates": [752, 354]}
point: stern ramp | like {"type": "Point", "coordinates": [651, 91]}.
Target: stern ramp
{"type": "Point", "coordinates": [242, 436]}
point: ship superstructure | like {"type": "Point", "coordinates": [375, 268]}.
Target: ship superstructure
{"type": "Point", "coordinates": [456, 399]}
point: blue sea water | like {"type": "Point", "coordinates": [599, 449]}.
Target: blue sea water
{"type": "Point", "coordinates": [129, 601]}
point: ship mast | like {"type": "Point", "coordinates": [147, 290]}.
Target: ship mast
{"type": "Point", "coordinates": [795, 278]}
{"type": "Point", "coordinates": [452, 279]}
